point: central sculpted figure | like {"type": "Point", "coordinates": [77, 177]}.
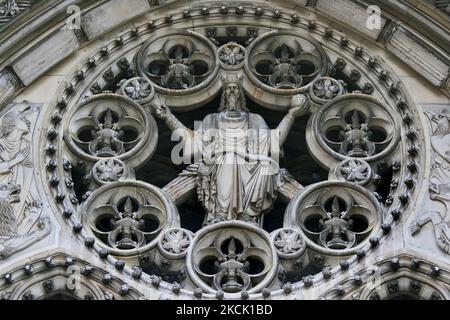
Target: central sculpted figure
{"type": "Point", "coordinates": [237, 155]}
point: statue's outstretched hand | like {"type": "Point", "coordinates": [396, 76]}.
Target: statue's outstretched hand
{"type": "Point", "coordinates": [299, 106]}
{"type": "Point", "coordinates": [161, 110]}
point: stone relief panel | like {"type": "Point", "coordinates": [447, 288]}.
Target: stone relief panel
{"type": "Point", "coordinates": [436, 206]}
{"type": "Point", "coordinates": [22, 219]}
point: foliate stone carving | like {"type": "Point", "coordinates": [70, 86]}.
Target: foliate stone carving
{"type": "Point", "coordinates": [175, 242]}
{"type": "Point", "coordinates": [325, 89]}
{"type": "Point", "coordinates": [128, 217]}
{"type": "Point", "coordinates": [177, 61]}
{"type": "Point", "coordinates": [354, 125]}
{"type": "Point", "coordinates": [289, 243]}
{"type": "Point", "coordinates": [439, 189]}
{"type": "Point", "coordinates": [9, 8]}
{"type": "Point", "coordinates": [354, 170]}
{"type": "Point", "coordinates": [335, 217]}
{"type": "Point", "coordinates": [110, 125]}
{"type": "Point", "coordinates": [111, 170]}
{"type": "Point", "coordinates": [22, 222]}
{"type": "Point", "coordinates": [138, 89]}
{"type": "Point", "coordinates": [286, 60]}
{"type": "Point", "coordinates": [232, 54]}
{"type": "Point", "coordinates": [232, 257]}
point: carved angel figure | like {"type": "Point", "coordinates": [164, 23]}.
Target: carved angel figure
{"type": "Point", "coordinates": [17, 225]}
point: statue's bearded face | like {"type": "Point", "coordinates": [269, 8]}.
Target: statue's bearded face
{"type": "Point", "coordinates": [233, 96]}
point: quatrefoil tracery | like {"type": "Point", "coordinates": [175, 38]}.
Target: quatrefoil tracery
{"type": "Point", "coordinates": [232, 257]}
{"type": "Point", "coordinates": [111, 126]}
{"type": "Point", "coordinates": [127, 224]}
{"type": "Point", "coordinates": [353, 126]}
{"type": "Point", "coordinates": [287, 61]}
{"type": "Point", "coordinates": [335, 217]}
{"type": "Point", "coordinates": [177, 62]}
{"type": "Point", "coordinates": [128, 217]}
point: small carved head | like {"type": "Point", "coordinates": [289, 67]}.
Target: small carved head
{"type": "Point", "coordinates": [233, 97]}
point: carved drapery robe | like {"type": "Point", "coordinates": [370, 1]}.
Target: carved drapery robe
{"type": "Point", "coordinates": [236, 175]}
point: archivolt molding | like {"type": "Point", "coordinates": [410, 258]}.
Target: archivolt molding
{"type": "Point", "coordinates": [67, 276]}
{"type": "Point", "coordinates": [403, 274]}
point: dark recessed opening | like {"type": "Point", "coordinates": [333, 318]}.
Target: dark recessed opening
{"type": "Point", "coordinates": [208, 265]}
{"type": "Point", "coordinates": [158, 67]}
{"type": "Point", "coordinates": [305, 67]}
{"type": "Point", "coordinates": [312, 223]}
{"type": "Point", "coordinates": [255, 265]}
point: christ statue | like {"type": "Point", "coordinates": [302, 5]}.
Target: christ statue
{"type": "Point", "coordinates": [236, 153]}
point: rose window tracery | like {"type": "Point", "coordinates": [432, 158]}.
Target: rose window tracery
{"type": "Point", "coordinates": [107, 126]}
{"type": "Point", "coordinates": [289, 218]}
{"type": "Point", "coordinates": [176, 63]}
{"type": "Point", "coordinates": [336, 216]}
{"type": "Point", "coordinates": [130, 220]}
{"type": "Point", "coordinates": [231, 260]}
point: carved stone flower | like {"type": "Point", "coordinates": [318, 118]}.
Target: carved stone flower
{"type": "Point", "coordinates": [109, 170]}
{"type": "Point", "coordinates": [326, 88]}
{"type": "Point", "coordinates": [288, 241]}
{"type": "Point", "coordinates": [9, 8]}
{"type": "Point", "coordinates": [137, 88]}
{"type": "Point", "coordinates": [231, 54]}
{"type": "Point", "coordinates": [354, 170]}
{"type": "Point", "coordinates": [176, 241]}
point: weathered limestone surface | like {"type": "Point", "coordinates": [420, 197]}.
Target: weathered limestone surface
{"type": "Point", "coordinates": [111, 14]}
{"type": "Point", "coordinates": [86, 156]}
{"type": "Point", "coordinates": [45, 54]}
{"type": "Point", "coordinates": [423, 57]}
{"type": "Point", "coordinates": [340, 9]}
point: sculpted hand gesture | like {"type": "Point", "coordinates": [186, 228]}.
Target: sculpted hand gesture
{"type": "Point", "coordinates": [299, 106]}
{"type": "Point", "coordinates": [161, 111]}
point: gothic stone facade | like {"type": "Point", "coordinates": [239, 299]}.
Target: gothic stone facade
{"type": "Point", "coordinates": [209, 149]}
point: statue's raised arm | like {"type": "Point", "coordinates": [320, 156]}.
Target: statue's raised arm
{"type": "Point", "coordinates": [299, 107]}
{"type": "Point", "coordinates": [163, 112]}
